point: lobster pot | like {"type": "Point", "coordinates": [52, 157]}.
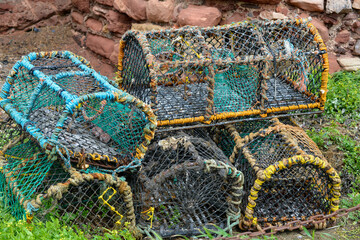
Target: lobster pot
{"type": "Point", "coordinates": [184, 185]}
{"type": "Point", "coordinates": [9, 130]}
{"type": "Point", "coordinates": [196, 74]}
{"type": "Point", "coordinates": [24, 167]}
{"type": "Point", "coordinates": [92, 202]}
{"type": "Point", "coordinates": [33, 183]}
{"type": "Point", "coordinates": [63, 103]}
{"type": "Point", "coordinates": [286, 176]}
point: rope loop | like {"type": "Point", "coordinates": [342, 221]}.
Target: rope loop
{"type": "Point", "coordinates": [98, 112]}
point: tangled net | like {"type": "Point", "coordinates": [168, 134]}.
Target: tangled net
{"type": "Point", "coordinates": [64, 104]}
{"type": "Point", "coordinates": [205, 74]}
{"type": "Point", "coordinates": [185, 184]}
{"type": "Point", "coordinates": [286, 176]}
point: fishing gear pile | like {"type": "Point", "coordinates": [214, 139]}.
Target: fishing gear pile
{"type": "Point", "coordinates": [226, 154]}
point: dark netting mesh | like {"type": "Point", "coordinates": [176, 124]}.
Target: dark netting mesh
{"type": "Point", "coordinates": [286, 176]}
{"type": "Point", "coordinates": [203, 74]}
{"type": "Point", "coordinates": [185, 184]}
{"type": "Point", "coordinates": [93, 203]}
{"type": "Point", "coordinates": [65, 104]}
{"type": "Point", "coordinates": [226, 142]}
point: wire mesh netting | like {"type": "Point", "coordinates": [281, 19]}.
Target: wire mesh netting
{"type": "Point", "coordinates": [286, 176]}
{"type": "Point", "coordinates": [35, 184]}
{"type": "Point", "coordinates": [185, 184]}
{"type": "Point", "coordinates": [65, 104]}
{"type": "Point", "coordinates": [24, 166]}
{"type": "Point", "coordinates": [92, 202]}
{"type": "Point", "coordinates": [205, 74]}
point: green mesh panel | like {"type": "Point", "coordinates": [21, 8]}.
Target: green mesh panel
{"type": "Point", "coordinates": [24, 168]}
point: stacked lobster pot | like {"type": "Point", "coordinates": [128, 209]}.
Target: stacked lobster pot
{"type": "Point", "coordinates": [68, 129]}
{"type": "Point", "coordinates": [83, 148]}
{"type": "Point", "coordinates": [186, 184]}
{"type": "Point", "coordinates": [286, 176]}
{"type": "Point", "coordinates": [221, 88]}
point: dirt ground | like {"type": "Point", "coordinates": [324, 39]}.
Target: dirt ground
{"type": "Point", "coordinates": [13, 46]}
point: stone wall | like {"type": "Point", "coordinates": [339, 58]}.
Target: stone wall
{"type": "Point", "coordinates": [25, 14]}
{"type": "Point", "coordinates": [99, 24]}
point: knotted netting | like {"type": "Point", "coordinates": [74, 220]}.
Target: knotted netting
{"type": "Point", "coordinates": [64, 104]}
{"type": "Point", "coordinates": [24, 165]}
{"type": "Point", "coordinates": [197, 74]}
{"type": "Point", "coordinates": [35, 184]}
{"type": "Point", "coordinates": [92, 202]}
{"type": "Point", "coordinates": [185, 184]}
{"type": "Point", "coordinates": [286, 176]}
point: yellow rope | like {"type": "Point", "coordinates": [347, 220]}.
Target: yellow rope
{"type": "Point", "coordinates": [112, 208]}
{"type": "Point", "coordinates": [150, 214]}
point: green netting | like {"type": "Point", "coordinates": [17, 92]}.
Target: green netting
{"type": "Point", "coordinates": [24, 168]}
{"type": "Point", "coordinates": [239, 85]}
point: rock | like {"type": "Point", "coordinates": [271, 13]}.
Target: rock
{"type": "Point", "coordinates": [350, 16]}
{"type": "Point", "coordinates": [146, 27]}
{"type": "Point", "coordinates": [118, 22]}
{"type": "Point", "coordinates": [329, 19]}
{"type": "Point", "coordinates": [160, 11]}
{"type": "Point", "coordinates": [78, 38]}
{"type": "Point", "coordinates": [333, 64]}
{"type": "Point", "coordinates": [342, 36]}
{"type": "Point", "coordinates": [82, 5]}
{"type": "Point", "coordinates": [199, 16]}
{"type": "Point", "coordinates": [94, 24]}
{"type": "Point", "coordinates": [340, 50]}
{"type": "Point", "coordinates": [348, 23]}
{"type": "Point", "coordinates": [356, 27]}
{"type": "Point", "coordinates": [99, 11]}
{"type": "Point", "coordinates": [115, 55]}
{"type": "Point", "coordinates": [136, 9]}
{"type": "Point", "coordinates": [53, 21]}
{"type": "Point", "coordinates": [223, 6]}
{"type": "Point", "coordinates": [100, 45]}
{"type": "Point", "coordinates": [349, 64]}
{"type": "Point", "coordinates": [109, 3]}
{"type": "Point", "coordinates": [322, 29]}
{"type": "Point", "coordinates": [271, 15]}
{"type": "Point", "coordinates": [62, 6]}
{"type": "Point", "coordinates": [338, 6]}
{"type": "Point", "coordinates": [282, 9]}
{"type": "Point", "coordinates": [357, 48]}
{"type": "Point", "coordinates": [236, 17]}
{"type": "Point", "coordinates": [263, 1]}
{"type": "Point", "coordinates": [309, 5]}
{"type": "Point", "coordinates": [77, 17]}
{"type": "Point", "coordinates": [356, 4]}
{"type": "Point", "coordinates": [6, 7]}
{"type": "Point", "coordinates": [21, 16]}
{"type": "Point", "coordinates": [42, 10]}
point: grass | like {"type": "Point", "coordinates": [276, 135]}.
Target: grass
{"type": "Point", "coordinates": [10, 229]}
{"type": "Point", "coordinates": [341, 120]}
